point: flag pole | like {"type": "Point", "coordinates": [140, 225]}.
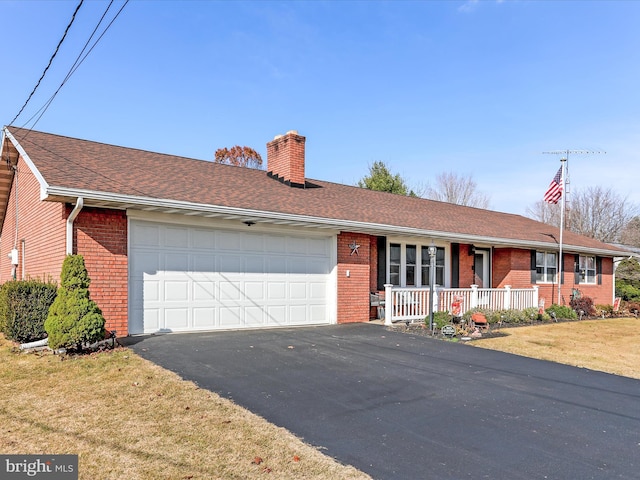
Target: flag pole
{"type": "Point", "coordinates": [563, 162]}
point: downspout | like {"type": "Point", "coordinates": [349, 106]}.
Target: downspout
{"type": "Point", "coordinates": [72, 216]}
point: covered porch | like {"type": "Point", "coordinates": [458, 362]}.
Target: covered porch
{"type": "Point", "coordinates": [412, 304]}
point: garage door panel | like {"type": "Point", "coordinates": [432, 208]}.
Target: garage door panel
{"type": "Point", "coordinates": [254, 291]}
{"type": "Point", "coordinates": [277, 315]}
{"type": "Point", "coordinates": [204, 318]}
{"type": "Point", "coordinates": [277, 290]}
{"type": "Point", "coordinates": [318, 314]}
{"type": "Point", "coordinates": [151, 290]}
{"type": "Point", "coordinates": [297, 291]}
{"type": "Point", "coordinates": [176, 291]}
{"type": "Point", "coordinates": [176, 237]}
{"type": "Point", "coordinates": [203, 262]}
{"type": "Point", "coordinates": [230, 291]}
{"type": "Point", "coordinates": [176, 318]}
{"type": "Point", "coordinates": [203, 290]}
{"type": "Point", "coordinates": [253, 316]}
{"type": "Point", "coordinates": [230, 263]}
{"type": "Point", "coordinates": [204, 239]}
{"type": "Point", "coordinates": [317, 291]}
{"type": "Point", "coordinates": [230, 317]}
{"type": "Point", "coordinates": [176, 262]}
{"type": "Point", "coordinates": [187, 278]}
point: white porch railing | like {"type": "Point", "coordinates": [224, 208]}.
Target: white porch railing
{"type": "Point", "coordinates": [409, 304]}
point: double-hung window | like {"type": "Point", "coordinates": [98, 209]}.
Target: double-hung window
{"type": "Point", "coordinates": [409, 265]}
{"type": "Point", "coordinates": [546, 267]}
{"type": "Point", "coordinates": [587, 268]}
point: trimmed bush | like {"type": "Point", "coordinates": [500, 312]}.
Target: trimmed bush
{"type": "Point", "coordinates": [24, 305]}
{"type": "Point", "coordinates": [74, 319]}
{"type": "Point", "coordinates": [562, 311]}
{"type": "Point", "coordinates": [440, 319]}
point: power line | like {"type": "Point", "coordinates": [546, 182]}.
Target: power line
{"type": "Point", "coordinates": [50, 62]}
{"type": "Point", "coordinates": [76, 64]}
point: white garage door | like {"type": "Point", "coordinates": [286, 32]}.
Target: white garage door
{"type": "Point", "coordinates": [190, 278]}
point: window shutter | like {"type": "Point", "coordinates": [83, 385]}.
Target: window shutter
{"type": "Point", "coordinates": [599, 269]}
{"type": "Point", "coordinates": [576, 269]}
{"type": "Point", "coordinates": [533, 267]}
{"type": "Point", "coordinates": [382, 262]}
{"type": "Point", "coordinates": [455, 265]}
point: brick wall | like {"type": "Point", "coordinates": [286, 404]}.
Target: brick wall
{"type": "Point", "coordinates": [512, 266]}
{"type": "Point", "coordinates": [101, 237]}
{"type": "Point", "coordinates": [41, 229]}
{"type": "Point", "coordinates": [353, 290]}
{"type": "Point", "coordinates": [466, 274]}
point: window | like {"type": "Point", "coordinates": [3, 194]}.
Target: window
{"type": "Point", "coordinates": [409, 265]}
{"type": "Point", "coordinates": [394, 263]}
{"type": "Point", "coordinates": [546, 267]}
{"type": "Point", "coordinates": [587, 267]}
{"type": "Point", "coordinates": [426, 266]}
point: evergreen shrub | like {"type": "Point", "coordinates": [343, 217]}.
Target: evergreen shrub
{"type": "Point", "coordinates": [74, 319]}
{"type": "Point", "coordinates": [24, 305]}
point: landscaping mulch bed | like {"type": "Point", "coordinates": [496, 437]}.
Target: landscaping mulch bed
{"type": "Point", "coordinates": [494, 331]}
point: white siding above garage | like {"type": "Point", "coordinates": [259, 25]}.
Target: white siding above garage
{"type": "Point", "coordinates": [189, 277]}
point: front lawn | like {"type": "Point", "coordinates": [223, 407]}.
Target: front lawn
{"type": "Point", "coordinates": [127, 418]}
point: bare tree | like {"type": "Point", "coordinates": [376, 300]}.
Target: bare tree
{"type": "Point", "coordinates": [595, 212]}
{"type": "Point", "coordinates": [545, 212]}
{"type": "Point", "coordinates": [631, 233]}
{"type": "Point", "coordinates": [459, 189]}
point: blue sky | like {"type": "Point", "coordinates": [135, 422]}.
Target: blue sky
{"type": "Point", "coordinates": [478, 88]}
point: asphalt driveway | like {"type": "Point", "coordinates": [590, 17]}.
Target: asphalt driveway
{"type": "Point", "coordinates": [399, 406]}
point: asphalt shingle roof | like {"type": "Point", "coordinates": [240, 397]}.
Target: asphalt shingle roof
{"type": "Point", "coordinates": [71, 163]}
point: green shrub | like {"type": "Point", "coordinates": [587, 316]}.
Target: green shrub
{"type": "Point", "coordinates": [604, 310]}
{"type": "Point", "coordinates": [440, 319]}
{"type": "Point", "coordinates": [583, 304]}
{"type": "Point", "coordinates": [562, 311]}
{"type": "Point", "coordinates": [74, 319]}
{"type": "Point", "coordinates": [24, 305]}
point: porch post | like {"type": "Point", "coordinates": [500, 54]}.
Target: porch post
{"type": "Point", "coordinates": [474, 296]}
{"type": "Point", "coordinates": [388, 304]}
{"type": "Point", "coordinates": [535, 296]}
{"type": "Point", "coordinates": [507, 297]}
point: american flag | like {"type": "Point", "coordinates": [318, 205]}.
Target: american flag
{"type": "Point", "coordinates": [554, 192]}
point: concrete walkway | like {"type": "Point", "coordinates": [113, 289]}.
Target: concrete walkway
{"type": "Point", "coordinates": [399, 406]}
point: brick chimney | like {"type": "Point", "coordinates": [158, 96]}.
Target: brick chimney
{"type": "Point", "coordinates": [285, 159]}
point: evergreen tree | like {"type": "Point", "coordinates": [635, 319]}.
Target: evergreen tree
{"type": "Point", "coordinates": [74, 319]}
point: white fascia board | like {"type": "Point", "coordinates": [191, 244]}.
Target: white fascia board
{"type": "Point", "coordinates": [131, 201]}
{"type": "Point", "coordinates": [31, 165]}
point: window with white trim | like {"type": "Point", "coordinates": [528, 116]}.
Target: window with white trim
{"type": "Point", "coordinates": [587, 266]}
{"type": "Point", "coordinates": [409, 265]}
{"type": "Point", "coordinates": [546, 267]}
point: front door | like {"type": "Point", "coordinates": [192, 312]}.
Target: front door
{"type": "Point", "coordinates": [481, 269]}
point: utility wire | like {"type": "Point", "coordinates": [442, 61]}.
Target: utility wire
{"type": "Point", "coordinates": [77, 63]}
{"type": "Point", "coordinates": [50, 62]}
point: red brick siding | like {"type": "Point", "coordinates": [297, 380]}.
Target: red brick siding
{"type": "Point", "coordinates": [512, 266]}
{"type": "Point", "coordinates": [353, 291]}
{"type": "Point", "coordinates": [101, 237]}
{"type": "Point", "coordinates": [285, 157]}
{"type": "Point", "coordinates": [40, 224]}
{"type": "Point", "coordinates": [465, 272]}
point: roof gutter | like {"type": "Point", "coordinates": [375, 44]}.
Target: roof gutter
{"type": "Point", "coordinates": [142, 203]}
{"type": "Point", "coordinates": [72, 216]}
